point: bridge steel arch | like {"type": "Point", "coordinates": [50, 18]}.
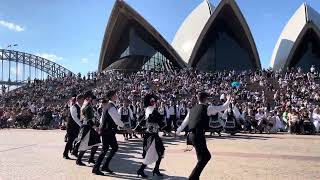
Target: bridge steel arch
{"type": "Point", "coordinates": [44, 65]}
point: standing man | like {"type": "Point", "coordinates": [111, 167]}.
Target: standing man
{"type": "Point", "coordinates": [109, 121]}
{"type": "Point", "coordinates": [133, 108]}
{"type": "Point", "coordinates": [198, 121]}
{"type": "Point", "coordinates": [74, 124]}
{"type": "Point", "coordinates": [172, 115]}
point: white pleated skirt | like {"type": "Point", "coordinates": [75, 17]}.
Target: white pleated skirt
{"type": "Point", "coordinates": [151, 155]}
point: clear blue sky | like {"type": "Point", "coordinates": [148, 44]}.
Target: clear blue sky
{"type": "Point", "coordinates": [71, 31]}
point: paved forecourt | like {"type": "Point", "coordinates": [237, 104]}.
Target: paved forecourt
{"type": "Point", "coordinates": [32, 154]}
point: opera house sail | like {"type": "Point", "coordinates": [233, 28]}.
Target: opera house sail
{"type": "Point", "coordinates": [189, 32]}
{"type": "Point", "coordinates": [299, 42]}
{"type": "Point", "coordinates": [225, 42]}
{"type": "Point", "coordinates": [209, 39]}
{"type": "Point", "coordinates": [131, 44]}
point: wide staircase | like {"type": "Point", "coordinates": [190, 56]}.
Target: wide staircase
{"type": "Point", "coordinates": [269, 92]}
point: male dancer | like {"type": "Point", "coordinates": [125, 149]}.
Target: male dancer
{"type": "Point", "coordinates": [74, 124]}
{"type": "Point", "coordinates": [172, 116]}
{"type": "Point", "coordinates": [109, 121]}
{"type": "Point", "coordinates": [198, 121]}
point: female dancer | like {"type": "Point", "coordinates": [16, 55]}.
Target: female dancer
{"type": "Point", "coordinates": [88, 136]}
{"type": "Point", "coordinates": [153, 148]}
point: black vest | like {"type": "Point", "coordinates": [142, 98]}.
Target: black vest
{"type": "Point", "coordinates": [125, 114]}
{"type": "Point", "coordinates": [71, 122]}
{"type": "Point", "coordinates": [107, 121]}
{"type": "Point", "coordinates": [198, 118]}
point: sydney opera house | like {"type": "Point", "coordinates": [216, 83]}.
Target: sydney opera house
{"type": "Point", "coordinates": [299, 42]}
{"type": "Point", "coordinates": [210, 39]}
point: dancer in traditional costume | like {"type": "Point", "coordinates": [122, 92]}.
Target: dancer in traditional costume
{"type": "Point", "coordinates": [74, 124]}
{"type": "Point", "coordinates": [153, 148]}
{"type": "Point", "coordinates": [88, 136]}
{"type": "Point", "coordinates": [198, 122]}
{"type": "Point", "coordinates": [109, 121]}
{"type": "Point", "coordinates": [126, 118]}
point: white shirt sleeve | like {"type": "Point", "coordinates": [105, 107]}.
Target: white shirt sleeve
{"type": "Point", "coordinates": [73, 111]}
{"type": "Point", "coordinates": [115, 116]}
{"type": "Point", "coordinates": [184, 124]}
{"type": "Point", "coordinates": [215, 109]}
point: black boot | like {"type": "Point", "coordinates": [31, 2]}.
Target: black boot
{"type": "Point", "coordinates": [156, 168]}
{"type": "Point", "coordinates": [91, 161]}
{"type": "Point", "coordinates": [96, 171]}
{"type": "Point", "coordinates": [92, 153]}
{"type": "Point", "coordinates": [66, 156]}
{"type": "Point", "coordinates": [106, 169]}
{"type": "Point", "coordinates": [79, 162]}
{"type": "Point", "coordinates": [140, 172]}
{"type": "Point", "coordinates": [105, 166]}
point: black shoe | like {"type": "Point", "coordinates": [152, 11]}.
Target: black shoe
{"type": "Point", "coordinates": [142, 174]}
{"type": "Point", "coordinates": [74, 153]}
{"type": "Point", "coordinates": [80, 163]}
{"type": "Point", "coordinates": [66, 156]}
{"type": "Point", "coordinates": [106, 169]}
{"type": "Point", "coordinates": [157, 172]}
{"type": "Point", "coordinates": [91, 161]}
{"type": "Point", "coordinates": [97, 172]}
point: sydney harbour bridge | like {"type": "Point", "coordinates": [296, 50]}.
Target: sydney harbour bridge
{"type": "Point", "coordinates": [18, 68]}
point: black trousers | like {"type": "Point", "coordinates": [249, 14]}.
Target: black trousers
{"type": "Point", "coordinates": [71, 137]}
{"type": "Point", "coordinates": [108, 140]}
{"type": "Point", "coordinates": [92, 153]}
{"type": "Point", "coordinates": [198, 141]}
{"type": "Point", "coordinates": [172, 120]}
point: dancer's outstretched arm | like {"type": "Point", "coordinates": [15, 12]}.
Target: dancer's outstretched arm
{"type": "Point", "coordinates": [184, 124]}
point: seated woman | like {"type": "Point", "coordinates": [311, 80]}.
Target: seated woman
{"type": "Point", "coordinates": [270, 123]}
{"type": "Point", "coordinates": [294, 122]}
{"type": "Point", "coordinates": [260, 117]}
{"type": "Point", "coordinates": [307, 125]}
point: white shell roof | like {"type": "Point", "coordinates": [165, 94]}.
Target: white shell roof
{"type": "Point", "coordinates": [190, 30]}
{"type": "Point", "coordinates": [290, 34]}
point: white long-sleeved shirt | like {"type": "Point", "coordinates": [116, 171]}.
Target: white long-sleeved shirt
{"type": "Point", "coordinates": [212, 110]}
{"type": "Point", "coordinates": [74, 114]}
{"type": "Point", "coordinates": [171, 111]}
{"type": "Point", "coordinates": [116, 117]}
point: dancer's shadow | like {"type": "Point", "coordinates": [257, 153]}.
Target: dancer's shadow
{"type": "Point", "coordinates": [128, 160]}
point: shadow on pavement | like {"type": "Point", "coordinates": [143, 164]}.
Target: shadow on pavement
{"type": "Point", "coordinates": [128, 160]}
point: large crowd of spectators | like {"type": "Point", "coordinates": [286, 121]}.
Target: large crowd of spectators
{"type": "Point", "coordinates": [291, 96]}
